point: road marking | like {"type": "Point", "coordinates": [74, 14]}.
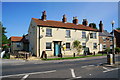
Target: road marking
{"type": "Point", "coordinates": [25, 77]}
{"type": "Point", "coordinates": [110, 69]}
{"type": "Point", "coordinates": [73, 73]}
{"type": "Point", "coordinates": [83, 66]}
{"type": "Point", "coordinates": [87, 66]}
{"type": "Point", "coordinates": [91, 65]}
{"type": "Point", "coordinates": [105, 68]}
{"type": "Point", "coordinates": [28, 73]}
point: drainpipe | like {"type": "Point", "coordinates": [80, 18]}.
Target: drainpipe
{"type": "Point", "coordinates": [39, 42]}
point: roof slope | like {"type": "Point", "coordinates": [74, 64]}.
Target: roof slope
{"type": "Point", "coordinates": [117, 31]}
{"type": "Point", "coordinates": [15, 38]}
{"type": "Point", "coordinates": [105, 33]}
{"type": "Point", "coordinates": [60, 24]}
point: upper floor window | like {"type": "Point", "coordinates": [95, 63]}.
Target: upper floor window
{"type": "Point", "coordinates": [94, 45]}
{"type": "Point", "coordinates": [83, 34]}
{"type": "Point", "coordinates": [49, 32]}
{"type": "Point", "coordinates": [104, 39]}
{"type": "Point", "coordinates": [68, 46]}
{"type": "Point", "coordinates": [67, 33]}
{"type": "Point", "coordinates": [84, 45]}
{"type": "Point", "coordinates": [93, 35]}
{"type": "Point", "coordinates": [48, 45]}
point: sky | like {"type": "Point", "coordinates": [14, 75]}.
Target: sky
{"type": "Point", "coordinates": [16, 16]}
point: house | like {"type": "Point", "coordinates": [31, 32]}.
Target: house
{"type": "Point", "coordinates": [51, 36]}
{"type": "Point", "coordinates": [117, 37]}
{"type": "Point", "coordinates": [19, 43]}
{"type": "Point", "coordinates": [16, 44]}
{"type": "Point", "coordinates": [105, 38]}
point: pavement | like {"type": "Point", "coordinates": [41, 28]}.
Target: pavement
{"type": "Point", "coordinates": [90, 67]}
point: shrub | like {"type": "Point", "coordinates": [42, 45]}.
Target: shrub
{"type": "Point", "coordinates": [117, 50]}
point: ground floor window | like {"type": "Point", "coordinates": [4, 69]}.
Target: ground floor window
{"type": "Point", "coordinates": [84, 45]}
{"type": "Point", "coordinates": [67, 46]}
{"type": "Point", "coordinates": [104, 46]}
{"type": "Point", "coordinates": [94, 45]}
{"type": "Point", "coordinates": [48, 45]}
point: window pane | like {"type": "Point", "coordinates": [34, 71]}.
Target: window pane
{"type": "Point", "coordinates": [67, 33]}
{"type": "Point", "coordinates": [48, 45]}
{"type": "Point", "coordinates": [83, 34]}
{"type": "Point", "coordinates": [94, 45]}
{"type": "Point", "coordinates": [84, 45]}
{"type": "Point", "coordinates": [67, 45]}
{"type": "Point", "coordinates": [48, 32]}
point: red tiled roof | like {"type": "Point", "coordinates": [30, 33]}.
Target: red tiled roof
{"type": "Point", "coordinates": [60, 24]}
{"type": "Point", "coordinates": [117, 31]}
{"type": "Point", "coordinates": [15, 38]}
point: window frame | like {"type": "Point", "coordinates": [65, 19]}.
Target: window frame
{"type": "Point", "coordinates": [48, 33]}
{"type": "Point", "coordinates": [83, 35]}
{"type": "Point", "coordinates": [94, 45]}
{"type": "Point", "coordinates": [67, 48]}
{"type": "Point", "coordinates": [93, 35]}
{"type": "Point", "coordinates": [84, 46]}
{"type": "Point", "coordinates": [68, 34]}
{"type": "Point", "coordinates": [49, 46]}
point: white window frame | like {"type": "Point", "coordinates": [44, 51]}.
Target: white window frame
{"type": "Point", "coordinates": [68, 34]}
{"type": "Point", "coordinates": [50, 45]}
{"type": "Point", "coordinates": [48, 33]}
{"type": "Point", "coordinates": [67, 48]}
{"type": "Point", "coordinates": [83, 34]}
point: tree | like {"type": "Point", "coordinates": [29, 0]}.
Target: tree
{"type": "Point", "coordinates": [4, 40]}
{"type": "Point", "coordinates": [118, 28]}
{"type": "Point", "coordinates": [93, 25]}
{"type": "Point", "coordinates": [77, 46]}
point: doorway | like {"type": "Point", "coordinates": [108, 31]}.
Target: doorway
{"type": "Point", "coordinates": [57, 48]}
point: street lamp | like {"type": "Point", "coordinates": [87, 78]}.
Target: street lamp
{"type": "Point", "coordinates": [113, 50]}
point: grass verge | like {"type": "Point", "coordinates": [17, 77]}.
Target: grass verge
{"type": "Point", "coordinates": [74, 57]}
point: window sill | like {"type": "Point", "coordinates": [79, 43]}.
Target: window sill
{"type": "Point", "coordinates": [48, 36]}
{"type": "Point", "coordinates": [67, 36]}
{"type": "Point", "coordinates": [48, 49]}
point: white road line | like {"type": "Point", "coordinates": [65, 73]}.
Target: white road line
{"type": "Point", "coordinates": [28, 73]}
{"type": "Point", "coordinates": [78, 77]}
{"type": "Point", "coordinates": [105, 68]}
{"type": "Point", "coordinates": [110, 70]}
{"type": "Point", "coordinates": [83, 66]}
{"type": "Point", "coordinates": [91, 65]}
{"type": "Point", "coordinates": [25, 77]}
{"type": "Point", "coordinates": [73, 73]}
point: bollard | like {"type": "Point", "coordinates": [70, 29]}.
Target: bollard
{"type": "Point", "coordinates": [74, 55]}
{"type": "Point", "coordinates": [110, 59]}
{"type": "Point", "coordinates": [94, 52]}
{"type": "Point", "coordinates": [61, 55]}
{"type": "Point", "coordinates": [26, 55]}
{"type": "Point", "coordinates": [113, 58]}
{"type": "Point", "coordinates": [45, 56]}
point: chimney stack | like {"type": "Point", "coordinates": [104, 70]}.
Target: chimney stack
{"type": "Point", "coordinates": [43, 17]}
{"type": "Point", "coordinates": [101, 26]}
{"type": "Point", "coordinates": [64, 19]}
{"type": "Point", "coordinates": [75, 20]}
{"type": "Point", "coordinates": [85, 22]}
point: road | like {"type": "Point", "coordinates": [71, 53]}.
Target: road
{"type": "Point", "coordinates": [73, 69]}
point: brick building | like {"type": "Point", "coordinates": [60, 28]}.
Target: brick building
{"type": "Point", "coordinates": [117, 37]}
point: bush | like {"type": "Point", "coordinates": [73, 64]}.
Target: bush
{"type": "Point", "coordinates": [108, 50]}
{"type": "Point", "coordinates": [6, 56]}
{"type": "Point", "coordinates": [117, 50]}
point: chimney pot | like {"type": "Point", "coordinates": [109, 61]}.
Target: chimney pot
{"type": "Point", "coordinates": [75, 20]}
{"type": "Point", "coordinates": [101, 26]}
{"type": "Point", "coordinates": [64, 20]}
{"type": "Point", "coordinates": [85, 22]}
{"type": "Point", "coordinates": [43, 17]}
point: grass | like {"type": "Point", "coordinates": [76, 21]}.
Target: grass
{"type": "Point", "coordinates": [74, 57]}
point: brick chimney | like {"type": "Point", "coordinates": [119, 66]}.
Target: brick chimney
{"type": "Point", "coordinates": [64, 19]}
{"type": "Point", "coordinates": [85, 22]}
{"type": "Point", "coordinates": [43, 17]}
{"type": "Point", "coordinates": [101, 26]}
{"type": "Point", "coordinates": [75, 20]}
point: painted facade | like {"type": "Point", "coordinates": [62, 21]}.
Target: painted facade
{"type": "Point", "coordinates": [56, 37]}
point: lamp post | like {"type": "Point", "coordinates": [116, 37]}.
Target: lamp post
{"type": "Point", "coordinates": [113, 50]}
